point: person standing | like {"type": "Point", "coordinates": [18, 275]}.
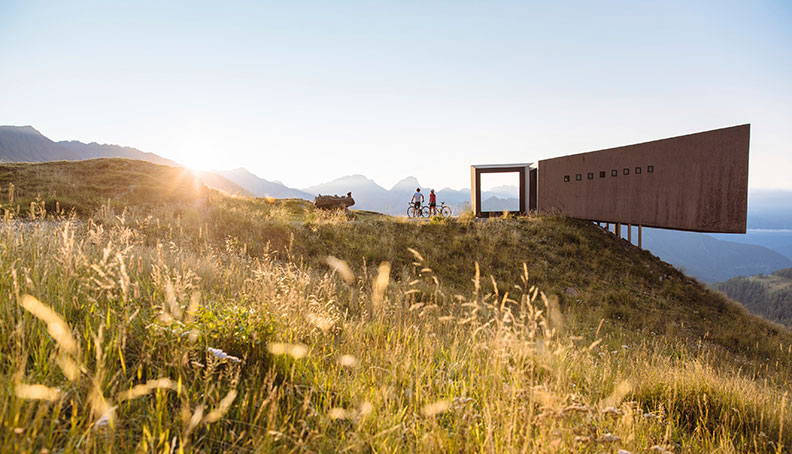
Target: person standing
{"type": "Point", "coordinates": [417, 200]}
{"type": "Point", "coordinates": [432, 203]}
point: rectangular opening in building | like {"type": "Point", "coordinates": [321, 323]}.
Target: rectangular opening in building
{"type": "Point", "coordinates": [501, 191]}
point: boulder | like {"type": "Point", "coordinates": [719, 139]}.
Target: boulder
{"type": "Point", "coordinates": [334, 202]}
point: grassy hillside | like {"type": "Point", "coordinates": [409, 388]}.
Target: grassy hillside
{"type": "Point", "coordinates": [211, 323]}
{"type": "Point", "coordinates": [767, 295]}
{"type": "Point", "coordinates": [85, 186]}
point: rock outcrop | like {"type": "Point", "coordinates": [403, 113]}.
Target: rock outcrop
{"type": "Point", "coordinates": [334, 202]}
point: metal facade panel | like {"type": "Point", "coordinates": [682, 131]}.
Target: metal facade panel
{"type": "Point", "coordinates": [697, 182]}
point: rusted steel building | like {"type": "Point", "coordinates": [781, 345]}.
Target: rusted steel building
{"type": "Point", "coordinates": [696, 182]}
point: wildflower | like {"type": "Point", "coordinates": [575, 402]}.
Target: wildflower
{"type": "Point", "coordinates": [220, 354]}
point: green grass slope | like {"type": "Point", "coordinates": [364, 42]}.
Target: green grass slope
{"type": "Point", "coordinates": [767, 295]}
{"type": "Point", "coordinates": [84, 186]}
{"type": "Point", "coordinates": [209, 323]}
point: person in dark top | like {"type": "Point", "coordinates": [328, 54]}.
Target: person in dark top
{"type": "Point", "coordinates": [432, 203]}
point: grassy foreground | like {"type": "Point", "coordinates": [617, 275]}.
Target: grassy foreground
{"type": "Point", "coordinates": [198, 322]}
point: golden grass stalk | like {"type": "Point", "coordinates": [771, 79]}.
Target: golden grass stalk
{"type": "Point", "coordinates": [347, 361]}
{"type": "Point", "coordinates": [436, 408]}
{"type": "Point", "coordinates": [56, 327]}
{"type": "Point", "coordinates": [296, 351]}
{"type": "Point", "coordinates": [221, 408]}
{"type": "Point", "coordinates": [36, 392]}
{"type": "Point", "coordinates": [620, 391]}
{"type": "Point", "coordinates": [381, 284]}
{"type": "Point", "coordinates": [342, 268]}
{"type": "Point", "coordinates": [416, 254]}
{"type": "Point", "coordinates": [69, 367]}
{"type": "Point", "coordinates": [142, 390]}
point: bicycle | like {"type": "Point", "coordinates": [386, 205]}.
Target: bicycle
{"type": "Point", "coordinates": [413, 212]}
{"type": "Point", "coordinates": [423, 211]}
{"type": "Point", "coordinates": [441, 210]}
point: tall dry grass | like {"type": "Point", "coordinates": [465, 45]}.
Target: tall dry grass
{"type": "Point", "coordinates": [139, 332]}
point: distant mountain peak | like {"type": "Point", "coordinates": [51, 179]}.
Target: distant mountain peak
{"type": "Point", "coordinates": [406, 183]}
{"type": "Point", "coordinates": [27, 129]}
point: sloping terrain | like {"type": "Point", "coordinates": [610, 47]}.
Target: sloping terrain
{"type": "Point", "coordinates": [212, 323]}
{"type": "Point", "coordinates": [26, 144]}
{"type": "Point", "coordinates": [767, 295]}
{"type": "Point", "coordinates": [85, 186]}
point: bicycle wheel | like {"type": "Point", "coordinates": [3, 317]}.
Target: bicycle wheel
{"type": "Point", "coordinates": [445, 212]}
{"type": "Point", "coordinates": [425, 212]}
{"type": "Point", "coordinates": [411, 212]}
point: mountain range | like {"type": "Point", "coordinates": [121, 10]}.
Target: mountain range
{"type": "Point", "coordinates": [766, 247]}
{"type": "Point", "coordinates": [26, 144]}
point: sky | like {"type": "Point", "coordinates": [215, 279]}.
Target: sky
{"type": "Point", "coordinates": [305, 92]}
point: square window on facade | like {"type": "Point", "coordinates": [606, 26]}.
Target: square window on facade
{"type": "Point", "coordinates": [578, 177]}
{"type": "Point", "coordinates": [566, 178]}
{"type": "Point", "coordinates": [614, 173]}
{"type": "Point", "coordinates": [626, 171]}
{"type": "Point", "coordinates": [591, 175]}
{"type": "Point", "coordinates": [602, 174]}
{"type": "Point", "coordinates": [650, 169]}
{"type": "Point", "coordinates": [637, 170]}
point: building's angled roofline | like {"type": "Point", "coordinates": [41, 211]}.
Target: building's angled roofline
{"type": "Point", "coordinates": [495, 166]}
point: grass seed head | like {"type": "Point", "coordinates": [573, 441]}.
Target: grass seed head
{"type": "Point", "coordinates": [36, 392]}
{"type": "Point", "coordinates": [221, 408]}
{"type": "Point", "coordinates": [342, 268]}
{"type": "Point", "coordinates": [337, 413]}
{"type": "Point", "coordinates": [436, 408]}
{"type": "Point", "coordinates": [56, 327]}
{"type": "Point", "coordinates": [347, 361]}
{"type": "Point", "coordinates": [296, 351]}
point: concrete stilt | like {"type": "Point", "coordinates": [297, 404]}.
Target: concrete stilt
{"type": "Point", "coordinates": [639, 236]}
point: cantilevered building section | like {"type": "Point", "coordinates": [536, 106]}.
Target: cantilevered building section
{"type": "Point", "coordinates": [696, 182]}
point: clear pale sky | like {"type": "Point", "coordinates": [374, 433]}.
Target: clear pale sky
{"type": "Point", "coordinates": [304, 92]}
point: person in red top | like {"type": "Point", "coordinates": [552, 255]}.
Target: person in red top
{"type": "Point", "coordinates": [432, 203]}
